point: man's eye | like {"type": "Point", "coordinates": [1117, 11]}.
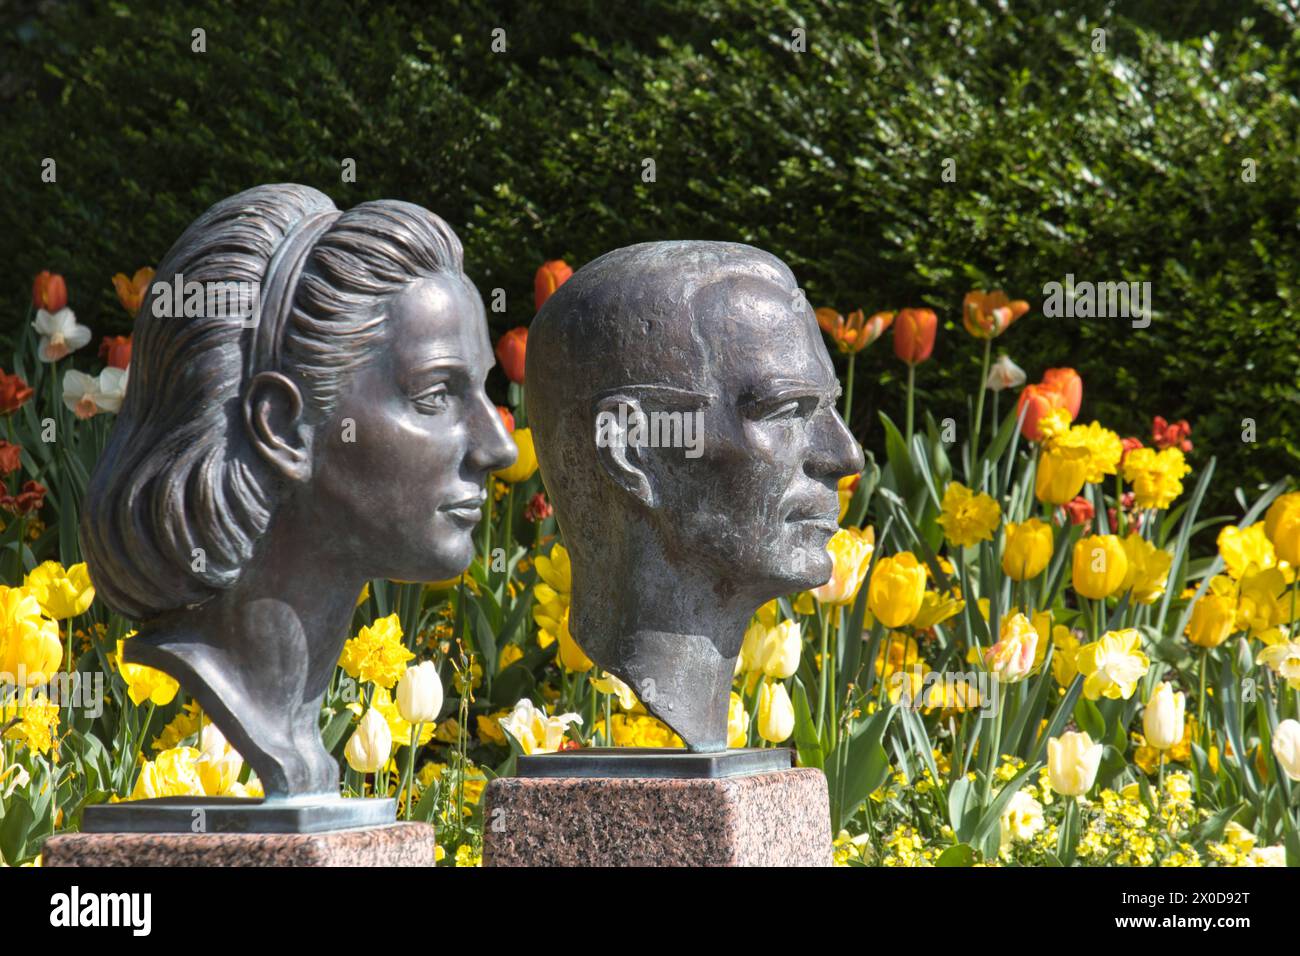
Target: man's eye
{"type": "Point", "coordinates": [432, 399]}
{"type": "Point", "coordinates": [791, 408]}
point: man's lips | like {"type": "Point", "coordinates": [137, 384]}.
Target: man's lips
{"type": "Point", "coordinates": [466, 510]}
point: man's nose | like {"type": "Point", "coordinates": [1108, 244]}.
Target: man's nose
{"type": "Point", "coordinates": [491, 447]}
{"type": "Point", "coordinates": [834, 452]}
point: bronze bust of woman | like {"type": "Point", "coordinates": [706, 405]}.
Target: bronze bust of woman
{"type": "Point", "coordinates": [268, 460]}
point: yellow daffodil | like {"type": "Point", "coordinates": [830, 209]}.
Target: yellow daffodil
{"type": "Point", "coordinates": [377, 653]}
{"type": "Point", "coordinates": [32, 720]}
{"type": "Point", "coordinates": [1260, 600]}
{"type": "Point", "coordinates": [609, 684]}
{"type": "Point", "coordinates": [1283, 658]}
{"type": "Point", "coordinates": [535, 729]}
{"type": "Point", "coordinates": [968, 518]}
{"type": "Point", "coordinates": [1245, 548]}
{"type": "Point", "coordinates": [1148, 569]}
{"type": "Point", "coordinates": [1065, 647]}
{"type": "Point", "coordinates": [1113, 665]}
{"type": "Point", "coordinates": [173, 773]}
{"type": "Point", "coordinates": [1156, 476]}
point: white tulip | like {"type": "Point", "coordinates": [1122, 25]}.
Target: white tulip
{"type": "Point", "coordinates": [419, 694]}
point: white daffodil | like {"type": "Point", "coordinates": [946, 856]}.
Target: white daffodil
{"type": "Point", "coordinates": [88, 395]}
{"type": "Point", "coordinates": [60, 333]}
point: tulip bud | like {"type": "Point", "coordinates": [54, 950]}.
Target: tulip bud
{"type": "Point", "coordinates": [1072, 762]}
{"type": "Point", "coordinates": [1162, 722]}
{"type": "Point", "coordinates": [1100, 565]}
{"type": "Point", "coordinates": [897, 589]}
{"type": "Point", "coordinates": [419, 694]}
{"type": "Point", "coordinates": [550, 276]}
{"type": "Point", "coordinates": [914, 331]}
{"type": "Point", "coordinates": [371, 743]}
{"type": "Point", "coordinates": [512, 350]}
{"type": "Point", "coordinates": [737, 722]}
{"type": "Point", "coordinates": [525, 459]}
{"type": "Point", "coordinates": [1286, 747]}
{"type": "Point", "coordinates": [1012, 657]}
{"type": "Point", "coordinates": [775, 713]}
{"type": "Point", "coordinates": [1066, 383]}
{"type": "Point", "coordinates": [49, 292]}
{"type": "Point", "coordinates": [1214, 618]}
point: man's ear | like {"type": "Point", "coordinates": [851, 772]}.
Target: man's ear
{"type": "Point", "coordinates": [273, 417]}
{"type": "Point", "coordinates": [621, 439]}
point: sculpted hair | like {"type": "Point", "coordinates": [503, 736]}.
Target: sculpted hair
{"type": "Point", "coordinates": [179, 499]}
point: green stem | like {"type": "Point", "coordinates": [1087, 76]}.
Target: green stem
{"type": "Point", "coordinates": [410, 769]}
{"type": "Point", "coordinates": [911, 387]}
{"type": "Point", "coordinates": [848, 393]}
{"type": "Point", "coordinates": [979, 404]}
{"type": "Point", "coordinates": [824, 661]}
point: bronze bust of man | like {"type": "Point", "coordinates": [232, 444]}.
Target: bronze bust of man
{"type": "Point", "coordinates": [683, 407]}
{"type": "Point", "coordinates": [271, 458]}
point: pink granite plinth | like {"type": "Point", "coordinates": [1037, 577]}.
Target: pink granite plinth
{"type": "Point", "coordinates": [780, 818]}
{"type": "Point", "coordinates": [397, 844]}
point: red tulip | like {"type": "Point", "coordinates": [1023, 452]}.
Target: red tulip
{"type": "Point", "coordinates": [49, 291]}
{"type": "Point", "coordinates": [29, 499]}
{"type": "Point", "coordinates": [10, 458]}
{"type": "Point", "coordinates": [552, 274]}
{"type": "Point", "coordinates": [1079, 510]}
{"type": "Point", "coordinates": [116, 350]}
{"type": "Point", "coordinates": [511, 348]}
{"type": "Point", "coordinates": [13, 393]}
{"type": "Point", "coordinates": [1168, 435]}
{"type": "Point", "coordinates": [1066, 381]}
{"type": "Point", "coordinates": [1129, 444]}
{"type": "Point", "coordinates": [914, 331]}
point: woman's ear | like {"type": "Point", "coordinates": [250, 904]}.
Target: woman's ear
{"type": "Point", "coordinates": [273, 417]}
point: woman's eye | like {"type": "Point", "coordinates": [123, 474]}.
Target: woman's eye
{"type": "Point", "coordinates": [433, 399]}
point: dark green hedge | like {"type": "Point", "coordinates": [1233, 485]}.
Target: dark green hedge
{"type": "Point", "coordinates": [1122, 165]}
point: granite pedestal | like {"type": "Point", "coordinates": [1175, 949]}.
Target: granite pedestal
{"type": "Point", "coordinates": [772, 818]}
{"type": "Point", "coordinates": [395, 844]}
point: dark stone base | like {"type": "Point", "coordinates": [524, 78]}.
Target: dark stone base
{"type": "Point", "coordinates": [398, 844]}
{"type": "Point", "coordinates": [237, 815]}
{"type": "Point", "coordinates": [779, 818]}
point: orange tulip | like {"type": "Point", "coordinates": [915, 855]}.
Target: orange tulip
{"type": "Point", "coordinates": [1066, 382]}
{"type": "Point", "coordinates": [116, 350]}
{"type": "Point", "coordinates": [13, 393]}
{"type": "Point", "coordinates": [510, 352]}
{"type": "Point", "coordinates": [550, 277]}
{"type": "Point", "coordinates": [987, 315]}
{"type": "Point", "coordinates": [1037, 401]}
{"type": "Point", "coordinates": [131, 292]}
{"type": "Point", "coordinates": [914, 331]}
{"type": "Point", "coordinates": [855, 333]}
{"type": "Point", "coordinates": [506, 417]}
{"type": "Point", "coordinates": [49, 291]}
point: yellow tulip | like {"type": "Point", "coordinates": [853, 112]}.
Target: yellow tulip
{"type": "Point", "coordinates": [1028, 549]}
{"type": "Point", "coordinates": [62, 594]}
{"type": "Point", "coordinates": [1282, 526]}
{"type": "Point", "coordinates": [1214, 616]}
{"type": "Point", "coordinates": [30, 649]}
{"type": "Point", "coordinates": [571, 655]}
{"type": "Point", "coordinates": [145, 683]}
{"type": "Point", "coordinates": [526, 461]}
{"type": "Point", "coordinates": [896, 590]}
{"type": "Point", "coordinates": [1066, 646]}
{"type": "Point", "coordinates": [1061, 473]}
{"type": "Point", "coordinates": [1100, 565]}
{"type": "Point", "coordinates": [737, 722]}
{"type": "Point", "coordinates": [1072, 762]}
{"type": "Point", "coordinates": [936, 608]}
{"type": "Point", "coordinates": [775, 712]}
{"type": "Point", "coordinates": [850, 550]}
{"type": "Point", "coordinates": [1162, 721]}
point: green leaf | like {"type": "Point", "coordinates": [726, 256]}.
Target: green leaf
{"type": "Point", "coordinates": [805, 730]}
{"type": "Point", "coordinates": [963, 854]}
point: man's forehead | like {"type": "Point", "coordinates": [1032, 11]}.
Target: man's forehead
{"type": "Point", "coordinates": [752, 327]}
